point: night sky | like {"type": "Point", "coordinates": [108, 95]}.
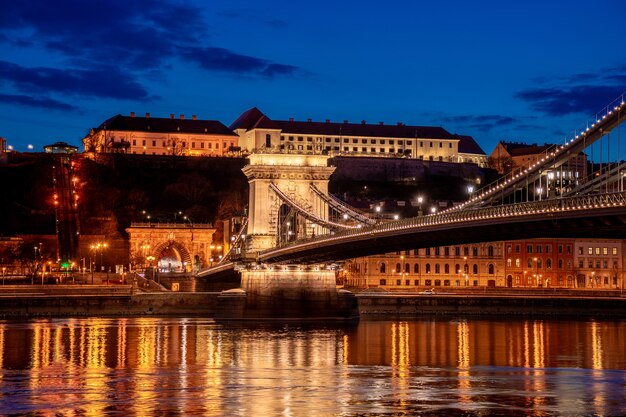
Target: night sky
{"type": "Point", "coordinates": [529, 71]}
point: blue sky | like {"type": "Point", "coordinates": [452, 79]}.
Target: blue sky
{"type": "Point", "coordinates": [530, 71]}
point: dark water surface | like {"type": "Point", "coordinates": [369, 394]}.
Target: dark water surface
{"type": "Point", "coordinates": [196, 367]}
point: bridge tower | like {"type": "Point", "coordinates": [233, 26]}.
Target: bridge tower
{"type": "Point", "coordinates": [274, 178]}
{"type": "Point", "coordinates": [284, 205]}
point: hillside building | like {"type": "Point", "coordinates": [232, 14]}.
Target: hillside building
{"type": "Point", "coordinates": [161, 136]}
{"type": "Point", "coordinates": [256, 132]}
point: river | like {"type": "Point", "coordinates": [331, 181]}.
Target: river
{"type": "Point", "coordinates": [197, 367]}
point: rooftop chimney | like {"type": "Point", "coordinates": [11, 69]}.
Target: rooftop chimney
{"type": "Point", "coordinates": [132, 114]}
{"type": "Point", "coordinates": [182, 117]}
{"type": "Point", "coordinates": [147, 115]}
{"type": "Point", "coordinates": [171, 115]}
{"type": "Point", "coordinates": [193, 117]}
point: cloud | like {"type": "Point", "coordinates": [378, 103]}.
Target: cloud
{"type": "Point", "coordinates": [41, 102]}
{"type": "Point", "coordinates": [480, 122]}
{"type": "Point", "coordinates": [111, 48]}
{"type": "Point", "coordinates": [107, 82]}
{"type": "Point", "coordinates": [560, 101]}
{"type": "Point", "coordinates": [220, 59]}
{"type": "Point", "coordinates": [585, 93]}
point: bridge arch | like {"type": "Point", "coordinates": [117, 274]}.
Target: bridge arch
{"type": "Point", "coordinates": [171, 256]}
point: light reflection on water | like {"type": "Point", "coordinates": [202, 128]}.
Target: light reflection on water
{"type": "Point", "coordinates": [186, 367]}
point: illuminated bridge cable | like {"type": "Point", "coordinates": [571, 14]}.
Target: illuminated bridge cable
{"type": "Point", "coordinates": [236, 241]}
{"type": "Point", "coordinates": [609, 174]}
{"type": "Point", "coordinates": [306, 214]}
{"type": "Point", "coordinates": [555, 157]}
{"type": "Point", "coordinates": [341, 207]}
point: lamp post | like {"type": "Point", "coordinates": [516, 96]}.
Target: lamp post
{"type": "Point", "coordinates": [420, 200]}
{"type": "Point", "coordinates": [536, 270]}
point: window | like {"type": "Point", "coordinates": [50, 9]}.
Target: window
{"type": "Point", "coordinates": [466, 251]}
{"type": "Point", "coordinates": [518, 248]}
{"type": "Point", "coordinates": [154, 143]}
{"type": "Point", "coordinates": [475, 269]}
{"type": "Point", "coordinates": [383, 268]}
{"type": "Point", "coordinates": [398, 268]}
{"type": "Point", "coordinates": [605, 251]}
{"type": "Point", "coordinates": [446, 269]}
{"type": "Point", "coordinates": [446, 251]}
{"type": "Point", "coordinates": [548, 248]}
{"type": "Point", "coordinates": [383, 282]}
{"type": "Point", "coordinates": [407, 268]}
{"type": "Point", "coordinates": [539, 249]}
{"type": "Point", "coordinates": [530, 263]}
{"type": "Point", "coordinates": [560, 249]}
{"type": "Point", "coordinates": [581, 263]}
{"type": "Point", "coordinates": [597, 251]}
{"type": "Point", "coordinates": [428, 283]}
{"type": "Point", "coordinates": [605, 264]}
{"type": "Point", "coordinates": [529, 248]}
{"type": "Point", "coordinates": [457, 251]}
{"type": "Point", "coordinates": [509, 248]}
{"type": "Point", "coordinates": [437, 251]}
{"type": "Point", "coordinates": [457, 268]}
{"type": "Point", "coordinates": [268, 140]}
{"type": "Point", "coordinates": [569, 249]}
{"type": "Point", "coordinates": [428, 268]}
{"type": "Point", "coordinates": [560, 263]}
{"type": "Point", "coordinates": [427, 251]}
{"type": "Point", "coordinates": [490, 251]}
{"type": "Point", "coordinates": [549, 263]}
{"type": "Point", "coordinates": [509, 263]}
{"type": "Point", "coordinates": [398, 282]}
{"type": "Point", "coordinates": [539, 263]}
{"type": "Point", "coordinates": [518, 263]}
{"type": "Point", "coordinates": [416, 269]}
{"type": "Point", "coordinates": [417, 282]}
{"type": "Point", "coordinates": [614, 251]}
{"type": "Point", "coordinates": [491, 269]}
{"type": "Point", "coordinates": [474, 251]}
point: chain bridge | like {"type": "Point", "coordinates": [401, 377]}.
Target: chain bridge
{"type": "Point", "coordinates": [296, 231]}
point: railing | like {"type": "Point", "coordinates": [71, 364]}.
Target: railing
{"type": "Point", "coordinates": [168, 225]}
{"type": "Point", "coordinates": [544, 207]}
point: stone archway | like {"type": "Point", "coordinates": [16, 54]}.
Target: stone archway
{"type": "Point", "coordinates": [171, 256]}
{"type": "Point", "coordinates": [184, 246]}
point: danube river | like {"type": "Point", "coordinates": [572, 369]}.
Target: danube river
{"type": "Point", "coordinates": [197, 367]}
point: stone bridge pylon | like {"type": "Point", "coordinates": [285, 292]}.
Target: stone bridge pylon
{"type": "Point", "coordinates": [283, 205]}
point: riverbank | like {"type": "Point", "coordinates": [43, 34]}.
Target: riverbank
{"type": "Point", "coordinates": [129, 301]}
{"type": "Point", "coordinates": [379, 306]}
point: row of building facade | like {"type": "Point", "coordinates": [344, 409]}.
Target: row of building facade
{"type": "Point", "coordinates": [254, 131]}
{"type": "Point", "coordinates": [538, 263]}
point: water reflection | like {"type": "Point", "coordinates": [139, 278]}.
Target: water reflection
{"type": "Point", "coordinates": [151, 366]}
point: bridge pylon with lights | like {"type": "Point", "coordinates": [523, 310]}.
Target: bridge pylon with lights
{"type": "Point", "coordinates": [288, 201]}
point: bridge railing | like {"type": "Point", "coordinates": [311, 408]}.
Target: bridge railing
{"type": "Point", "coordinates": [576, 203]}
{"type": "Point", "coordinates": [554, 153]}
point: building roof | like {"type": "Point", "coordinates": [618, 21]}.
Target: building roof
{"type": "Point", "coordinates": [521, 149]}
{"type": "Point", "coordinates": [165, 125]}
{"type": "Point", "coordinates": [467, 144]}
{"type": "Point", "coordinates": [254, 119]}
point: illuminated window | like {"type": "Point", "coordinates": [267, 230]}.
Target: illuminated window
{"type": "Point", "coordinates": [605, 251]}
{"type": "Point", "coordinates": [518, 263]}
{"type": "Point", "coordinates": [614, 251]}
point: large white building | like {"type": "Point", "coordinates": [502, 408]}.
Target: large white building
{"type": "Point", "coordinates": [161, 136]}
{"type": "Point", "coordinates": [256, 131]}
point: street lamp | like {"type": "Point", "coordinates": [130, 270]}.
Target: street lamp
{"type": "Point", "coordinates": [420, 200]}
{"type": "Point", "coordinates": [536, 270]}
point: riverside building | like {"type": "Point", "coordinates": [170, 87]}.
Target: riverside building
{"type": "Point", "coordinates": [537, 263]}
